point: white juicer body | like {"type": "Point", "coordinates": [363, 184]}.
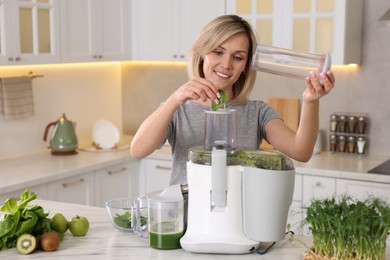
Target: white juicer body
{"type": "Point", "coordinates": [214, 229]}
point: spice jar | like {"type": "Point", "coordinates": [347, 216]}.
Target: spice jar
{"type": "Point", "coordinates": [361, 145]}
{"type": "Point", "coordinates": [342, 124]}
{"type": "Point", "coordinates": [352, 124]}
{"type": "Point", "coordinates": [361, 125]}
{"type": "Point", "coordinates": [351, 144]}
{"type": "Point", "coordinates": [333, 123]}
{"type": "Point", "coordinates": [341, 144]}
{"type": "Point", "coordinates": [332, 143]}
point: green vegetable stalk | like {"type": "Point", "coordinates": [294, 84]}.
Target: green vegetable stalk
{"type": "Point", "coordinates": [21, 218]}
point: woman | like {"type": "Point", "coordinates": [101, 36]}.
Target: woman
{"type": "Point", "coordinates": [220, 59]}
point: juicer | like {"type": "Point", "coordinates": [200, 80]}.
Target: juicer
{"type": "Point", "coordinates": [237, 197]}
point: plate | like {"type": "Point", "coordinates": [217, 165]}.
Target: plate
{"type": "Point", "coordinates": [105, 134]}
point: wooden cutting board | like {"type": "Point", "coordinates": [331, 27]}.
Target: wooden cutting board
{"type": "Point", "coordinates": [289, 110]}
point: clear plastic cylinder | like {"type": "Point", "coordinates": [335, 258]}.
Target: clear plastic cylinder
{"type": "Point", "coordinates": [220, 129]}
{"type": "Point", "coordinates": [289, 63]}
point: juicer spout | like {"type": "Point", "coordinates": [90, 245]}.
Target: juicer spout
{"type": "Point", "coordinates": [218, 178]}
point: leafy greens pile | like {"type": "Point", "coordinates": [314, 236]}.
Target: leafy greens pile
{"type": "Point", "coordinates": [21, 218]}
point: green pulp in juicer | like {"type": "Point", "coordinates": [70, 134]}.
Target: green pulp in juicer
{"type": "Point", "coordinates": [268, 160]}
{"type": "Point", "coordinates": [165, 240]}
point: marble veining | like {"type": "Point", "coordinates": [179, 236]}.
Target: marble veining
{"type": "Point", "coordinates": [103, 241]}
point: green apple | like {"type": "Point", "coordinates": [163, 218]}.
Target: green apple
{"type": "Point", "coordinates": [59, 223]}
{"type": "Point", "coordinates": [78, 226]}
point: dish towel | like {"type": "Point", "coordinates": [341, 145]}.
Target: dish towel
{"type": "Point", "coordinates": [16, 97]}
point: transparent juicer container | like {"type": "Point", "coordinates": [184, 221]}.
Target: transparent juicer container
{"type": "Point", "coordinates": [220, 132]}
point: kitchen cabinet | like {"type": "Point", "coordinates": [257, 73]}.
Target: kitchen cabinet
{"type": "Point", "coordinates": [77, 189]}
{"type": "Point", "coordinates": [317, 187]}
{"type": "Point", "coordinates": [29, 32]}
{"type": "Point", "coordinates": [165, 30]}
{"type": "Point", "coordinates": [295, 212]}
{"type": "Point", "coordinates": [95, 30]}
{"type": "Point", "coordinates": [41, 191]}
{"type": "Point", "coordinates": [317, 26]}
{"type": "Point", "coordinates": [116, 181]}
{"type": "Point", "coordinates": [155, 175]}
{"type": "Point", "coordinates": [362, 189]}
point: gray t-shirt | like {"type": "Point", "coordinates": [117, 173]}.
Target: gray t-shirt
{"type": "Point", "coordinates": [186, 130]}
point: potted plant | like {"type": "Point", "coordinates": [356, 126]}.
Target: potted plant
{"type": "Point", "coordinates": [346, 228]}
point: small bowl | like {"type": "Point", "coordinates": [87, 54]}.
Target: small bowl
{"type": "Point", "coordinates": [120, 211]}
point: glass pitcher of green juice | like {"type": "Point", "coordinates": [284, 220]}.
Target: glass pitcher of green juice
{"type": "Point", "coordinates": [165, 217]}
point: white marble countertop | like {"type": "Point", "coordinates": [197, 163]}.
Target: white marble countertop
{"type": "Point", "coordinates": [343, 166]}
{"type": "Point", "coordinates": [103, 241]}
{"type": "Point", "coordinates": [42, 167]}
{"type": "Point", "coordinates": [33, 169]}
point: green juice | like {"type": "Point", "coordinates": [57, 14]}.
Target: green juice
{"type": "Point", "coordinates": [165, 240]}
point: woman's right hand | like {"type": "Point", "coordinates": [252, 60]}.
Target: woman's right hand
{"type": "Point", "coordinates": [198, 89]}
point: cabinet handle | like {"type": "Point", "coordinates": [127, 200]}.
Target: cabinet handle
{"type": "Point", "coordinates": [160, 167]}
{"type": "Point", "coordinates": [182, 56]}
{"type": "Point", "coordinates": [17, 58]}
{"type": "Point", "coordinates": [174, 56]}
{"type": "Point", "coordinates": [318, 184]}
{"type": "Point", "coordinates": [10, 59]}
{"type": "Point", "coordinates": [117, 171]}
{"type": "Point", "coordinates": [72, 183]}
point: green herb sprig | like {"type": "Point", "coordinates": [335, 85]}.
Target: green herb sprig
{"type": "Point", "coordinates": [221, 101]}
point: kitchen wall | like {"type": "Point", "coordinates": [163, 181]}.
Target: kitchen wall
{"type": "Point", "coordinates": [363, 89]}
{"type": "Point", "coordinates": [87, 92]}
{"type": "Point", "coordinates": [84, 92]}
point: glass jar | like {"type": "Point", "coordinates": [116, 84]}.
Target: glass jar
{"type": "Point", "coordinates": [333, 123]}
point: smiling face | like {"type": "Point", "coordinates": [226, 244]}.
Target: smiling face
{"type": "Point", "coordinates": [224, 65]}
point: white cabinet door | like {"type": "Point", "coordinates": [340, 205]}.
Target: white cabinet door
{"type": "Point", "coordinates": [318, 187]}
{"type": "Point", "coordinates": [95, 30]}
{"type": "Point", "coordinates": [310, 26]}
{"type": "Point", "coordinates": [362, 189]}
{"type": "Point", "coordinates": [165, 30]}
{"type": "Point", "coordinates": [154, 175]}
{"type": "Point", "coordinates": [295, 212]}
{"type": "Point", "coordinates": [115, 182]}
{"type": "Point", "coordinates": [40, 190]}
{"type": "Point", "coordinates": [78, 189]}
{"type": "Point", "coordinates": [29, 32]}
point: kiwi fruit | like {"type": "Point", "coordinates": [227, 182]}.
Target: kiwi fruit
{"type": "Point", "coordinates": [26, 244]}
{"type": "Point", "coordinates": [50, 241]}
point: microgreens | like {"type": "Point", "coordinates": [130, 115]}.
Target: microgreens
{"type": "Point", "coordinates": [345, 228]}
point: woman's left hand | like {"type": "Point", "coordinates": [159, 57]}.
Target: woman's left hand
{"type": "Point", "coordinates": [314, 89]}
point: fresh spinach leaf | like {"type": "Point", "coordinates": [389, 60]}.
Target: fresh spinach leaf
{"type": "Point", "coordinates": [123, 220]}
{"type": "Point", "coordinates": [21, 218]}
{"type": "Point", "coordinates": [221, 101]}
{"type": "Point", "coordinates": [10, 206]}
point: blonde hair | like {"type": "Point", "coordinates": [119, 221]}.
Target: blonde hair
{"type": "Point", "coordinates": [213, 35]}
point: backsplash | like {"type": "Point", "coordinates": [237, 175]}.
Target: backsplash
{"type": "Point", "coordinates": [125, 93]}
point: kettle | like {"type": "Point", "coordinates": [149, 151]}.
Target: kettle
{"type": "Point", "coordinates": [63, 140]}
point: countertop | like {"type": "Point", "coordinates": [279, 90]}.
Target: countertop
{"type": "Point", "coordinates": [42, 167]}
{"type": "Point", "coordinates": [103, 241]}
